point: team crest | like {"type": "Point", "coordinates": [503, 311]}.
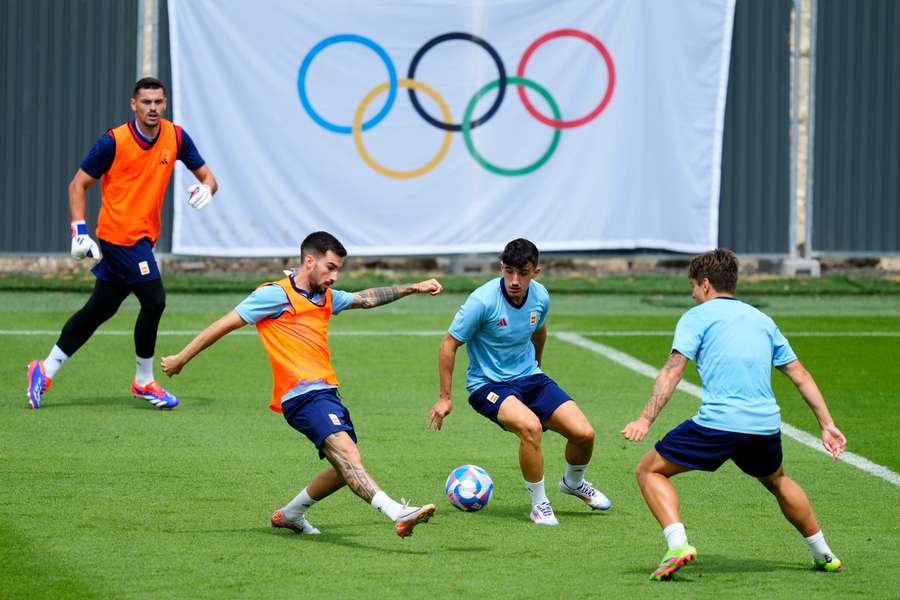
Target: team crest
{"type": "Point", "coordinates": [492, 398]}
{"type": "Point", "coordinates": [533, 319]}
{"type": "Point", "coordinates": [144, 267]}
{"type": "Point", "coordinates": [334, 418]}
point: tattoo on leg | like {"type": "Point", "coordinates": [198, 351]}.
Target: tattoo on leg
{"type": "Point", "coordinates": [353, 474]}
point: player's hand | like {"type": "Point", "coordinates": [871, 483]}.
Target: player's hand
{"type": "Point", "coordinates": [199, 195]}
{"type": "Point", "coordinates": [171, 365]}
{"type": "Point", "coordinates": [82, 244]}
{"type": "Point", "coordinates": [833, 440]}
{"type": "Point", "coordinates": [432, 286]}
{"type": "Point", "coordinates": [438, 412]}
{"type": "Point", "coordinates": [637, 430]}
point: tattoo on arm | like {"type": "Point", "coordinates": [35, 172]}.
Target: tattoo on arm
{"type": "Point", "coordinates": [353, 473]}
{"type": "Point", "coordinates": [373, 297]}
{"type": "Point", "coordinates": [664, 386]}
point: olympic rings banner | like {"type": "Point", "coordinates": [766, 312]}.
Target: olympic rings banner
{"type": "Point", "coordinates": [452, 126]}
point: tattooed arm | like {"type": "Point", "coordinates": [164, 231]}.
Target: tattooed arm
{"type": "Point", "coordinates": [663, 388]}
{"type": "Point", "coordinates": [373, 297]}
{"type": "Point", "coordinates": [343, 455]}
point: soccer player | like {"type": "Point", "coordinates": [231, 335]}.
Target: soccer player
{"type": "Point", "coordinates": [292, 316]}
{"type": "Point", "coordinates": [134, 161]}
{"type": "Point", "coordinates": [503, 323]}
{"type": "Point", "coordinates": [735, 347]}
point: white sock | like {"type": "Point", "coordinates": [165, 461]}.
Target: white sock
{"type": "Point", "coordinates": [144, 372]}
{"type": "Point", "coordinates": [574, 476]}
{"type": "Point", "coordinates": [538, 494]}
{"type": "Point", "coordinates": [385, 505]}
{"type": "Point", "coordinates": [817, 545]}
{"type": "Point", "coordinates": [675, 535]}
{"type": "Point", "coordinates": [301, 503]}
{"type": "Point", "coordinates": [54, 361]}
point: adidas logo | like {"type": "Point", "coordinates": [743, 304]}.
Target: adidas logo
{"type": "Point", "coordinates": [502, 323]}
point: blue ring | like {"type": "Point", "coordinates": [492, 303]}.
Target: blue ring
{"type": "Point", "coordinates": [335, 39]}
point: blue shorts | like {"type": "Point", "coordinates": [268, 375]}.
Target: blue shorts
{"type": "Point", "coordinates": [318, 414]}
{"type": "Point", "coordinates": [697, 447]}
{"type": "Point", "coordinates": [538, 392]}
{"type": "Point", "coordinates": [127, 264]}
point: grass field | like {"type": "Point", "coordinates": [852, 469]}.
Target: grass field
{"type": "Point", "coordinates": [100, 496]}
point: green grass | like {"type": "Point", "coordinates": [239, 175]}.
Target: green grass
{"type": "Point", "coordinates": [100, 496]}
{"type": "Point", "coordinates": [555, 279]}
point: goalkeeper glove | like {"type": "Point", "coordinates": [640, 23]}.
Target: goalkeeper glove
{"type": "Point", "coordinates": [82, 244]}
{"type": "Point", "coordinates": [199, 195]}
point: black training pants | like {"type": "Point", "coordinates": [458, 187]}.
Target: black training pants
{"type": "Point", "coordinates": [103, 304]}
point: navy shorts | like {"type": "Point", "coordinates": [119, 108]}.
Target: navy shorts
{"type": "Point", "coordinates": [538, 392]}
{"type": "Point", "coordinates": [697, 447]}
{"type": "Point", "coordinates": [127, 264]}
{"type": "Point", "coordinates": [317, 415]}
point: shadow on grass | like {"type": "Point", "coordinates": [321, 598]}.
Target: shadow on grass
{"type": "Point", "coordinates": [123, 401]}
{"type": "Point", "coordinates": [711, 564]}
{"type": "Point", "coordinates": [520, 513]}
{"type": "Point", "coordinates": [339, 539]}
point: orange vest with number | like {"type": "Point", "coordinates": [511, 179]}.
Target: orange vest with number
{"type": "Point", "coordinates": [297, 343]}
{"type": "Point", "coordinates": [134, 187]}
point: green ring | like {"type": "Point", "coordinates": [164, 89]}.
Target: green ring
{"type": "Point", "coordinates": [467, 127]}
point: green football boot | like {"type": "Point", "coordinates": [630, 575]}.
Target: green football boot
{"type": "Point", "coordinates": [672, 561]}
{"type": "Point", "coordinates": [829, 563]}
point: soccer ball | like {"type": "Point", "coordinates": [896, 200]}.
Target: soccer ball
{"type": "Point", "coordinates": [469, 488]}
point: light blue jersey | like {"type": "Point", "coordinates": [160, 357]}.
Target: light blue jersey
{"type": "Point", "coordinates": [498, 335]}
{"type": "Point", "coordinates": [269, 301]}
{"type": "Point", "coordinates": [735, 346]}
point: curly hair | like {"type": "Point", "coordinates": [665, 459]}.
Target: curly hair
{"type": "Point", "coordinates": [719, 266]}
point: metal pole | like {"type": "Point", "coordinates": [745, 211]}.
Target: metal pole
{"type": "Point", "coordinates": [811, 131]}
{"type": "Point", "coordinates": [147, 38]}
{"type": "Point", "coordinates": [154, 40]}
{"type": "Point", "coordinates": [139, 60]}
{"type": "Point", "coordinates": [795, 132]}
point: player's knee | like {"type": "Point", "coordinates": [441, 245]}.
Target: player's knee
{"type": "Point", "coordinates": [530, 432]}
{"type": "Point", "coordinates": [583, 436]}
{"type": "Point", "coordinates": [643, 470]}
{"type": "Point", "coordinates": [154, 304]}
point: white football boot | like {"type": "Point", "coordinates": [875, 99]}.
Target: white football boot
{"type": "Point", "coordinates": [542, 514]}
{"type": "Point", "coordinates": [299, 525]}
{"type": "Point", "coordinates": [587, 494]}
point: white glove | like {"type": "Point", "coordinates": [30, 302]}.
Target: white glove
{"type": "Point", "coordinates": [199, 195]}
{"type": "Point", "coordinates": [82, 244]}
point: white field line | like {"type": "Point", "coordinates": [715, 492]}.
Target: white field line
{"type": "Point", "coordinates": [630, 362]}
{"type": "Point", "coordinates": [363, 333]}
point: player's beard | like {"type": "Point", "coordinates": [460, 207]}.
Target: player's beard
{"type": "Point", "coordinates": [315, 288]}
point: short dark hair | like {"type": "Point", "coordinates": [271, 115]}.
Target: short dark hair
{"type": "Point", "coordinates": [519, 252]}
{"type": "Point", "coordinates": [148, 83]}
{"type": "Point", "coordinates": [719, 266]}
{"type": "Point", "coordinates": [319, 243]}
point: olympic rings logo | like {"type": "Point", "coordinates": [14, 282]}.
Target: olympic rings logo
{"type": "Point", "coordinates": [445, 123]}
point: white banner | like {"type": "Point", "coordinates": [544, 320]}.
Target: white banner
{"type": "Point", "coordinates": [451, 126]}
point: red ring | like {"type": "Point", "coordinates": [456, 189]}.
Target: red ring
{"type": "Point", "coordinates": [611, 84]}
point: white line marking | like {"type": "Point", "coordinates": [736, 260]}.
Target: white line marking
{"type": "Point", "coordinates": [249, 331]}
{"type": "Point", "coordinates": [602, 333]}
{"type": "Point", "coordinates": [630, 362]}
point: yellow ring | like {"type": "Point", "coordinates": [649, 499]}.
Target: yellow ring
{"type": "Point", "coordinates": [410, 84]}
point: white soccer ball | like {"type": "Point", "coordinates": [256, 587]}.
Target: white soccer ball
{"type": "Point", "coordinates": [469, 488]}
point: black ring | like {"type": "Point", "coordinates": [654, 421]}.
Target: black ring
{"type": "Point", "coordinates": [501, 89]}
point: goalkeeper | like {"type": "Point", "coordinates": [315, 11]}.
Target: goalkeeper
{"type": "Point", "coordinates": [135, 162]}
